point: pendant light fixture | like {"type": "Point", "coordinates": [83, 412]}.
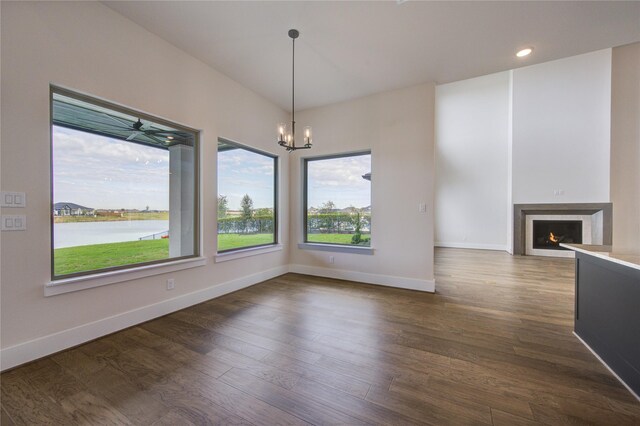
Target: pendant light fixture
{"type": "Point", "coordinates": [287, 133]}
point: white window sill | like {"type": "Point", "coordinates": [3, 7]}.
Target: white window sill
{"type": "Point", "coordinates": [68, 285]}
{"type": "Point", "coordinates": [336, 248]}
{"type": "Point", "coordinates": [252, 251]}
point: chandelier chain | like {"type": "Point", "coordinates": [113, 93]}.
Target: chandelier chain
{"type": "Point", "coordinates": [293, 91]}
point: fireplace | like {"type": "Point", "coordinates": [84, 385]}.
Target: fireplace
{"type": "Point", "coordinates": [544, 233]}
{"type": "Point", "coordinates": [577, 223]}
{"type": "Point", "coordinates": [548, 234]}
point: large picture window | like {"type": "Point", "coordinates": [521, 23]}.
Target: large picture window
{"type": "Point", "coordinates": [337, 200]}
{"type": "Point", "coordinates": [124, 187]}
{"type": "Point", "coordinates": [247, 197]}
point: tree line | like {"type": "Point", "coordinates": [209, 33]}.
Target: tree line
{"type": "Point", "coordinates": [246, 208]}
{"type": "Point", "coordinates": [250, 220]}
{"type": "Point", "coordinates": [326, 221]}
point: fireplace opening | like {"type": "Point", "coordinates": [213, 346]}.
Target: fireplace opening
{"type": "Point", "coordinates": [548, 234]}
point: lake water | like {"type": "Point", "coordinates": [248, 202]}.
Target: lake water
{"type": "Point", "coordinates": [86, 233]}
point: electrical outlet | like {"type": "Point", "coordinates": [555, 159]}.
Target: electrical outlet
{"type": "Point", "coordinates": [171, 284]}
{"type": "Point", "coordinates": [331, 259]}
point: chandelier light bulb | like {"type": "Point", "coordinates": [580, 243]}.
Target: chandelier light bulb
{"type": "Point", "coordinates": [307, 136]}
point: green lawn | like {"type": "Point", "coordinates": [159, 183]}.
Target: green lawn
{"type": "Point", "coordinates": [100, 256]}
{"type": "Point", "coordinates": [231, 241]}
{"type": "Point", "coordinates": [71, 260]}
{"type": "Point", "coordinates": [333, 238]}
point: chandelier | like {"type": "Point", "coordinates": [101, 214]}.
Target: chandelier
{"type": "Point", "coordinates": [287, 133]}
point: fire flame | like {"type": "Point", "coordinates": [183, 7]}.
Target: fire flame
{"type": "Point", "coordinates": [552, 238]}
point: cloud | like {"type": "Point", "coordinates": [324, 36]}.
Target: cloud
{"type": "Point", "coordinates": [243, 172]}
{"type": "Point", "coordinates": [101, 172]}
{"type": "Point", "coordinates": [340, 180]}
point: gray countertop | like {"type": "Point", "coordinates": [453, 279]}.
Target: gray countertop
{"type": "Point", "coordinates": [609, 253]}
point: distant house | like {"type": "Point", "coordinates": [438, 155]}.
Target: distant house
{"type": "Point", "coordinates": [350, 210]}
{"type": "Point", "coordinates": [72, 209]}
{"type": "Point", "coordinates": [354, 210]}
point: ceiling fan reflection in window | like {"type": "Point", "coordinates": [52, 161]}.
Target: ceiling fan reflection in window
{"type": "Point", "coordinates": [106, 120]}
{"type": "Point", "coordinates": [146, 129]}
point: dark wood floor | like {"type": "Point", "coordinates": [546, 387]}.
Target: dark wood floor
{"type": "Point", "coordinates": [493, 346]}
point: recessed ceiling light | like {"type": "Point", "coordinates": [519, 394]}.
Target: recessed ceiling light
{"type": "Point", "coordinates": [524, 52]}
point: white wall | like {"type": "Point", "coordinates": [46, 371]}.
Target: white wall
{"type": "Point", "coordinates": [561, 130]}
{"type": "Point", "coordinates": [625, 147]}
{"type": "Point", "coordinates": [88, 47]}
{"type": "Point", "coordinates": [472, 162]}
{"type": "Point", "coordinates": [397, 127]}
{"type": "Point", "coordinates": [503, 140]}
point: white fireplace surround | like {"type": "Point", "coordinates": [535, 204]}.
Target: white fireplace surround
{"type": "Point", "coordinates": [591, 232]}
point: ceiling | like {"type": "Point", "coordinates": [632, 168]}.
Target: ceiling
{"type": "Point", "coordinates": [348, 50]}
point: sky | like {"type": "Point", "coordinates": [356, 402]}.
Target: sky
{"type": "Point", "coordinates": [103, 173]}
{"type": "Point", "coordinates": [243, 172]}
{"type": "Point", "coordinates": [340, 180]}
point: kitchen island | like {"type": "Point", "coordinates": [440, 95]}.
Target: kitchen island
{"type": "Point", "coordinates": [607, 308]}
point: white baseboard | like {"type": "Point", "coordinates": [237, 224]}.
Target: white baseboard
{"type": "Point", "coordinates": [28, 351]}
{"type": "Point", "coordinates": [363, 277]}
{"type": "Point", "coordinates": [475, 246]}
{"type": "Point", "coordinates": [607, 367]}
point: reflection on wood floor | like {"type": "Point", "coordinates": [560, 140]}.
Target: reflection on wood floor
{"type": "Point", "coordinates": [493, 346]}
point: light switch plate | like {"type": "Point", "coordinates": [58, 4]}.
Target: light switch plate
{"type": "Point", "coordinates": [13, 199]}
{"type": "Point", "coordinates": [14, 222]}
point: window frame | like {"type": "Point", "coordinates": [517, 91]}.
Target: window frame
{"type": "Point", "coordinates": [305, 206]}
{"type": "Point", "coordinates": [276, 198]}
{"type": "Point", "coordinates": [197, 246]}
